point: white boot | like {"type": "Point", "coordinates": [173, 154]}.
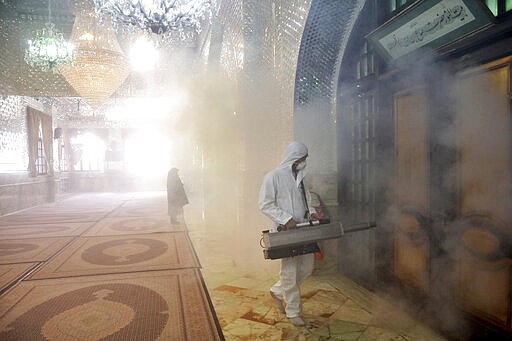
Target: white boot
{"type": "Point", "coordinates": [297, 321]}
{"type": "Point", "coordinates": [278, 301]}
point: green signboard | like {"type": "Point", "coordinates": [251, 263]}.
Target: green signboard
{"type": "Point", "coordinates": [428, 24]}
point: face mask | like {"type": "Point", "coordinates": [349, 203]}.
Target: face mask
{"type": "Point", "coordinates": [301, 165]}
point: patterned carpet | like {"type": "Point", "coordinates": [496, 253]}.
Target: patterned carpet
{"type": "Point", "coordinates": [101, 267]}
{"type": "Point", "coordinates": [31, 250]}
{"type": "Point", "coordinates": [48, 218]}
{"type": "Point", "coordinates": [10, 273]}
{"type": "Point", "coordinates": [132, 225]}
{"type": "Point", "coordinates": [163, 305]}
{"type": "Point", "coordinates": [42, 230]}
{"type": "Point", "coordinates": [132, 210]}
{"type": "Point", "coordinates": [107, 255]}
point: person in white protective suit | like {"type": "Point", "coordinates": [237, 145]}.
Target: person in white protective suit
{"type": "Point", "coordinates": [284, 199]}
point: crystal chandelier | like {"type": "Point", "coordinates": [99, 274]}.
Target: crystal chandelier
{"type": "Point", "coordinates": [167, 18]}
{"type": "Point", "coordinates": [100, 66]}
{"type": "Point", "coordinates": [48, 50]}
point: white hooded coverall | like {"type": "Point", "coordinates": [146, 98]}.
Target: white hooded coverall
{"type": "Point", "coordinates": [281, 199]}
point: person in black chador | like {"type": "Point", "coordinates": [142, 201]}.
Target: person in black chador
{"type": "Point", "coordinates": [176, 196]}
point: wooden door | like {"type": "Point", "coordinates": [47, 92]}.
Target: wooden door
{"type": "Point", "coordinates": [411, 240]}
{"type": "Point", "coordinates": [483, 135]}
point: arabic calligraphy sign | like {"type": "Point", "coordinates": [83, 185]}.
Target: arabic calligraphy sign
{"type": "Point", "coordinates": [428, 24]}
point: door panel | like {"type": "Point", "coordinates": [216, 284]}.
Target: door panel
{"type": "Point", "coordinates": [411, 149]}
{"type": "Point", "coordinates": [483, 129]}
{"type": "Point", "coordinates": [483, 137]}
{"type": "Point", "coordinates": [411, 185]}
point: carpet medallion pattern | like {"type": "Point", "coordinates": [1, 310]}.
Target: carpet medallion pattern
{"type": "Point", "coordinates": [124, 251]}
{"type": "Point", "coordinates": [132, 225]}
{"type": "Point", "coordinates": [138, 211]}
{"type": "Point", "coordinates": [13, 248]}
{"type": "Point", "coordinates": [27, 218]}
{"type": "Point", "coordinates": [164, 305]}
{"type": "Point", "coordinates": [116, 254]}
{"type": "Point", "coordinates": [93, 313]}
{"type": "Point", "coordinates": [43, 230]}
{"type": "Point", "coordinates": [30, 250]}
{"type": "Point", "coordinates": [106, 266]}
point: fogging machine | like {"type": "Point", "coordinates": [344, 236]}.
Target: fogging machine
{"type": "Point", "coordinates": [303, 239]}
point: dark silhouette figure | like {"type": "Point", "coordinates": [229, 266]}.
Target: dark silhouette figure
{"type": "Point", "coordinates": [176, 196]}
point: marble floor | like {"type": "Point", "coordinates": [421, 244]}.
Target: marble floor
{"type": "Point", "coordinates": [238, 280]}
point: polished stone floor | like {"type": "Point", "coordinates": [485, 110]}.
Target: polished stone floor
{"type": "Point", "coordinates": [238, 280]}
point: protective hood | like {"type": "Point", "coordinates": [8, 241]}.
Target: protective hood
{"type": "Point", "coordinates": [294, 151]}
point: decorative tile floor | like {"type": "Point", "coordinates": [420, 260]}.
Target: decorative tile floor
{"type": "Point", "coordinates": [335, 308]}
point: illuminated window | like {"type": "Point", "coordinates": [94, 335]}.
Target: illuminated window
{"type": "Point", "coordinates": [41, 159]}
{"type": "Point", "coordinates": [361, 164]}
{"type": "Point", "coordinates": [393, 5]}
{"type": "Point", "coordinates": [365, 64]}
{"type": "Point", "coordinates": [493, 6]}
{"type": "Point", "coordinates": [147, 152]}
{"type": "Point", "coordinates": [64, 162]}
{"type": "Point", "coordinates": [499, 7]}
{"type": "Point", "coordinates": [388, 8]}
{"type": "Point", "coordinates": [88, 152]}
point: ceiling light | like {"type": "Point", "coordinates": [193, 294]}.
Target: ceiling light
{"type": "Point", "coordinates": [143, 54]}
{"type": "Point", "coordinates": [100, 66]}
{"type": "Point", "coordinates": [86, 36]}
{"type": "Point", "coordinates": [49, 50]}
{"type": "Point", "coordinates": [171, 19]}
